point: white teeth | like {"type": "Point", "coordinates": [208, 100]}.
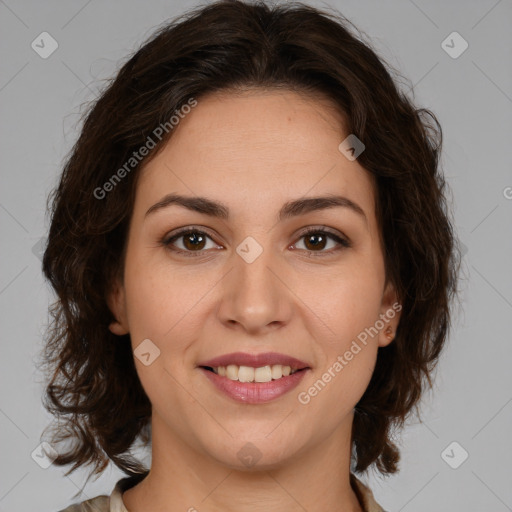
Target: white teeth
{"type": "Point", "coordinates": [250, 374]}
{"type": "Point", "coordinates": [232, 372]}
{"type": "Point", "coordinates": [263, 374]}
{"type": "Point", "coordinates": [277, 371]}
{"type": "Point", "coordinates": [246, 374]}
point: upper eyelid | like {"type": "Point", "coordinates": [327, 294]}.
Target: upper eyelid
{"type": "Point", "coordinates": [183, 231]}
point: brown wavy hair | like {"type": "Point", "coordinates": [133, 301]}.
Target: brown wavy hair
{"type": "Point", "coordinates": [93, 389]}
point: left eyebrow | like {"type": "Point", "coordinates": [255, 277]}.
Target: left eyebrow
{"type": "Point", "coordinates": [290, 209]}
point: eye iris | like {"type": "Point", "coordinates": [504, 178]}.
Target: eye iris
{"type": "Point", "coordinates": [315, 237]}
{"type": "Point", "coordinates": [194, 237]}
{"type": "Point", "coordinates": [195, 240]}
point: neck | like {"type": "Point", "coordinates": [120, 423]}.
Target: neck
{"type": "Point", "coordinates": [184, 479]}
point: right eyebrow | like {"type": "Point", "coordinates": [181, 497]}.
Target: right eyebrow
{"type": "Point", "coordinates": [290, 209]}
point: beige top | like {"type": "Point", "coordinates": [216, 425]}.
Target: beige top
{"type": "Point", "coordinates": [114, 502]}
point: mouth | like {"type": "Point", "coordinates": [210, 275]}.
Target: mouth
{"type": "Point", "coordinates": [265, 373]}
{"type": "Point", "coordinates": [254, 378]}
{"type": "Point", "coordinates": [245, 367]}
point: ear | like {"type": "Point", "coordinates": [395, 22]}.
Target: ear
{"type": "Point", "coordinates": [116, 301]}
{"type": "Point", "coordinates": [389, 315]}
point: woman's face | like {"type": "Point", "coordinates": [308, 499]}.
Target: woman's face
{"type": "Point", "coordinates": [248, 279]}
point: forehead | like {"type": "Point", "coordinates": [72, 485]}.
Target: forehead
{"type": "Point", "coordinates": [256, 146]}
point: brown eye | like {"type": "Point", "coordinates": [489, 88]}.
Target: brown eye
{"type": "Point", "coordinates": [194, 240]}
{"type": "Point", "coordinates": [189, 241]}
{"type": "Point", "coordinates": [316, 240]}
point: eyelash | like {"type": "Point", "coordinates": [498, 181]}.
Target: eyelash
{"type": "Point", "coordinates": [344, 244]}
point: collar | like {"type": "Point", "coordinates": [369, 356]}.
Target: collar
{"type": "Point", "coordinates": [364, 495]}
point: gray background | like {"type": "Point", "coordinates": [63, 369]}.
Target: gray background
{"type": "Point", "coordinates": [40, 102]}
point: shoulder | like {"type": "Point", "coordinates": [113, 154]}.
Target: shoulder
{"type": "Point", "coordinates": [112, 503]}
{"type": "Point", "coordinates": [98, 504]}
{"type": "Point", "coordinates": [365, 495]}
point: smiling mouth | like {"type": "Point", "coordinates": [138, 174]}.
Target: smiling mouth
{"type": "Point", "coordinates": [266, 373]}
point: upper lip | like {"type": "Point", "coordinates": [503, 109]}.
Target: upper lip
{"type": "Point", "coordinates": [255, 360]}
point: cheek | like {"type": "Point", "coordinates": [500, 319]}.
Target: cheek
{"type": "Point", "coordinates": [167, 305]}
{"type": "Point", "coordinates": [343, 303]}
{"type": "Point", "coordinates": [161, 307]}
{"type": "Point", "coordinates": [334, 392]}
{"type": "Point", "coordinates": [156, 298]}
{"type": "Point", "coordinates": [349, 305]}
{"type": "Point", "coordinates": [348, 356]}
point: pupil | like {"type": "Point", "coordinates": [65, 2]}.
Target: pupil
{"type": "Point", "coordinates": [315, 237]}
{"type": "Point", "coordinates": [195, 241]}
{"type": "Point", "coordinates": [191, 239]}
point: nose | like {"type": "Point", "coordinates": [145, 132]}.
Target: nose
{"type": "Point", "coordinates": [255, 297]}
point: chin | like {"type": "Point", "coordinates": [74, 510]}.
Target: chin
{"type": "Point", "coordinates": [255, 454]}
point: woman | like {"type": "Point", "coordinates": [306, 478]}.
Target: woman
{"type": "Point", "coordinates": [254, 265]}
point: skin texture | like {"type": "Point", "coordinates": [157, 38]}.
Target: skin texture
{"type": "Point", "coordinates": [252, 151]}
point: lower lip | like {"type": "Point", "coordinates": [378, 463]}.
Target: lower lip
{"type": "Point", "coordinates": [255, 392]}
